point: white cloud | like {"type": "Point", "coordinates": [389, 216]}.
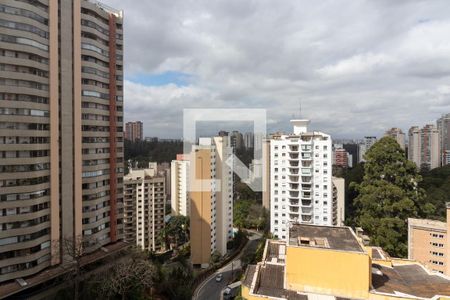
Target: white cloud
{"type": "Point", "coordinates": [356, 67]}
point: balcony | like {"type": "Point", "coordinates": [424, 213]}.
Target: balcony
{"type": "Point", "coordinates": [306, 156]}
{"type": "Point", "coordinates": [306, 195]}
{"type": "Point", "coordinates": [307, 164]}
{"type": "Point", "coordinates": [293, 171]}
{"type": "Point", "coordinates": [293, 178]}
{"type": "Point", "coordinates": [293, 187]}
{"type": "Point", "coordinates": [293, 217]}
{"type": "Point", "coordinates": [306, 171]}
{"type": "Point", "coordinates": [293, 156]}
{"type": "Point", "coordinates": [293, 194]}
{"type": "Point", "coordinates": [306, 210]}
{"type": "Point", "coordinates": [293, 209]}
{"type": "Point", "coordinates": [293, 148]}
{"type": "Point", "coordinates": [306, 219]}
{"type": "Point", "coordinates": [293, 202]}
{"type": "Point", "coordinates": [306, 179]}
{"type": "Point", "coordinates": [293, 164]}
{"type": "Point", "coordinates": [306, 187]}
{"type": "Point", "coordinates": [306, 203]}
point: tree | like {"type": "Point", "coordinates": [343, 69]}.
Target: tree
{"type": "Point", "coordinates": [134, 273]}
{"type": "Point", "coordinates": [388, 196]}
{"type": "Point", "coordinates": [175, 231]}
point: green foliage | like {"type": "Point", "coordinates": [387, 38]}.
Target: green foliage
{"type": "Point", "coordinates": [176, 231]}
{"type": "Point", "coordinates": [249, 214]}
{"type": "Point", "coordinates": [437, 185]}
{"type": "Point", "coordinates": [215, 257]}
{"type": "Point", "coordinates": [176, 280]}
{"type": "Point", "coordinates": [144, 152]}
{"type": "Point", "coordinates": [387, 196]}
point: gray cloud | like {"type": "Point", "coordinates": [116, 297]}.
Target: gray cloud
{"type": "Point", "coordinates": [358, 67]}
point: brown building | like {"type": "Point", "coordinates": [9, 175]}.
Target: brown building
{"type": "Point", "coordinates": [61, 147]}
{"type": "Point", "coordinates": [341, 157]}
{"type": "Point", "coordinates": [134, 131]}
{"type": "Point", "coordinates": [144, 208]}
{"type": "Point", "coordinates": [429, 243]}
{"type": "Point", "coordinates": [423, 148]}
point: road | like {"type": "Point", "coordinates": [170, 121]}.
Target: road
{"type": "Point", "coordinates": [210, 289]}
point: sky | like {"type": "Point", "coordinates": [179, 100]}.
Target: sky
{"type": "Point", "coordinates": [358, 67]}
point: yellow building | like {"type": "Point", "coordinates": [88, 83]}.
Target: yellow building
{"type": "Point", "coordinates": [331, 263]}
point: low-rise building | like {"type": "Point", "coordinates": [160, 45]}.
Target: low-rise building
{"type": "Point", "coordinates": [429, 243]}
{"type": "Point", "coordinates": [324, 262]}
{"type": "Point", "coordinates": [144, 207]}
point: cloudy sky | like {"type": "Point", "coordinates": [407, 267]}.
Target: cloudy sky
{"type": "Point", "coordinates": [357, 67]}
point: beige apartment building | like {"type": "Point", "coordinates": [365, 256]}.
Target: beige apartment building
{"type": "Point", "coordinates": [61, 131]}
{"type": "Point", "coordinates": [211, 199]}
{"type": "Point", "coordinates": [398, 135]}
{"type": "Point", "coordinates": [429, 243]}
{"type": "Point", "coordinates": [424, 147]}
{"type": "Point", "coordinates": [338, 205]}
{"type": "Point", "coordinates": [144, 208]}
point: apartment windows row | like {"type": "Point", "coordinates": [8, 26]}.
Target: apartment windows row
{"type": "Point", "coordinates": [24, 181]}
{"type": "Point", "coordinates": [437, 235]}
{"type": "Point", "coordinates": [90, 47]}
{"type": "Point", "coordinates": [36, 3]}
{"type": "Point", "coordinates": [95, 173]}
{"type": "Point", "coordinates": [24, 70]}
{"type": "Point", "coordinates": [25, 196]}
{"type": "Point", "coordinates": [24, 83]}
{"type": "Point", "coordinates": [94, 117]}
{"type": "Point", "coordinates": [94, 105]}
{"type": "Point", "coordinates": [24, 126]}
{"type": "Point", "coordinates": [24, 154]}
{"type": "Point", "coordinates": [94, 185]}
{"type": "Point", "coordinates": [24, 209]}
{"type": "Point", "coordinates": [93, 14]}
{"type": "Point", "coordinates": [95, 162]}
{"type": "Point", "coordinates": [95, 60]}
{"type": "Point", "coordinates": [95, 26]}
{"type": "Point", "coordinates": [10, 140]}
{"type": "Point", "coordinates": [95, 196]}
{"type": "Point", "coordinates": [94, 71]}
{"type": "Point", "coordinates": [89, 140]}
{"type": "Point", "coordinates": [24, 112]}
{"type": "Point", "coordinates": [24, 168]}
{"type": "Point", "coordinates": [95, 94]}
{"type": "Point", "coordinates": [24, 266]}
{"type": "Point", "coordinates": [436, 253]}
{"type": "Point", "coordinates": [23, 97]}
{"type": "Point", "coordinates": [22, 41]}
{"type": "Point", "coordinates": [440, 245]}
{"type": "Point", "coordinates": [95, 37]}
{"type": "Point", "coordinates": [23, 13]}
{"type": "Point", "coordinates": [24, 55]}
{"type": "Point", "coordinates": [96, 83]}
{"type": "Point", "coordinates": [24, 27]}
{"type": "Point", "coordinates": [24, 252]}
{"type": "Point", "coordinates": [96, 207]}
{"type": "Point", "coordinates": [24, 224]}
{"type": "Point", "coordinates": [24, 238]}
{"type": "Point", "coordinates": [96, 218]}
{"type": "Point", "coordinates": [96, 151]}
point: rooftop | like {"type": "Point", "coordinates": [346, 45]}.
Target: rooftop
{"type": "Point", "coordinates": [427, 223]}
{"type": "Point", "coordinates": [328, 237]}
{"type": "Point", "coordinates": [411, 279]}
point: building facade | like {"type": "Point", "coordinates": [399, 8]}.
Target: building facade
{"type": "Point", "coordinates": [429, 243]}
{"type": "Point", "coordinates": [134, 131]}
{"type": "Point", "coordinates": [340, 158]}
{"type": "Point", "coordinates": [249, 140]}
{"type": "Point", "coordinates": [236, 140]}
{"type": "Point", "coordinates": [144, 208]}
{"type": "Point", "coordinates": [61, 131]}
{"type": "Point", "coordinates": [424, 147]}
{"type": "Point", "coordinates": [211, 195]}
{"type": "Point", "coordinates": [179, 170]}
{"type": "Point", "coordinates": [300, 179]}
{"type": "Point", "coordinates": [363, 147]}
{"type": "Point", "coordinates": [443, 126]}
{"type": "Point", "coordinates": [398, 135]}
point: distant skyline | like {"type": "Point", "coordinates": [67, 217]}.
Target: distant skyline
{"type": "Point", "coordinates": [357, 71]}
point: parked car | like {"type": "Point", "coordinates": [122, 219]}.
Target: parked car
{"type": "Point", "coordinates": [219, 277]}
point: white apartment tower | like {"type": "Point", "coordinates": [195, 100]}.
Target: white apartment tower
{"type": "Point", "coordinates": [300, 179]}
{"type": "Point", "coordinates": [179, 172]}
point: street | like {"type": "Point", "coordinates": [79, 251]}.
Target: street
{"type": "Point", "coordinates": [210, 289]}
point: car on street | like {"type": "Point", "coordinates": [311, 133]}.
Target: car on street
{"type": "Point", "coordinates": [219, 277]}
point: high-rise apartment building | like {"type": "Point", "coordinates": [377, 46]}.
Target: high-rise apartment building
{"type": "Point", "coordinates": [211, 194]}
{"type": "Point", "coordinates": [144, 208]}
{"type": "Point", "coordinates": [365, 146]}
{"type": "Point", "coordinates": [179, 171]}
{"type": "Point", "coordinates": [424, 149]}
{"type": "Point", "coordinates": [249, 140]}
{"type": "Point", "coordinates": [61, 131]}
{"type": "Point", "coordinates": [443, 126]}
{"type": "Point", "coordinates": [340, 157]}
{"type": "Point", "coordinates": [134, 131]}
{"type": "Point", "coordinates": [398, 135]}
{"type": "Point", "coordinates": [236, 140]}
{"type": "Point", "coordinates": [300, 179]}
{"type": "Point", "coordinates": [429, 243]}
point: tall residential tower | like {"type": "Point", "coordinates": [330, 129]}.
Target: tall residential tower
{"type": "Point", "coordinates": [61, 131]}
